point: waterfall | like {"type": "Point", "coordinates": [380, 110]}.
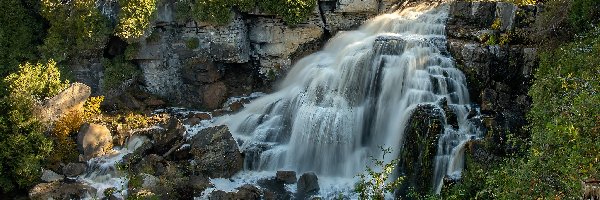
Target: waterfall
{"type": "Point", "coordinates": [336, 106]}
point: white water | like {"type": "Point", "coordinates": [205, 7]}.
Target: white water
{"type": "Point", "coordinates": [338, 105]}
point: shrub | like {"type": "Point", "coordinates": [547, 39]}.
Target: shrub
{"type": "Point", "coordinates": [77, 29]}
{"type": "Point", "coordinates": [219, 12]}
{"type": "Point", "coordinates": [117, 71]}
{"type": "Point", "coordinates": [134, 18]}
{"type": "Point", "coordinates": [23, 146]}
{"type": "Point", "coordinates": [375, 184]}
{"type": "Point", "coordinates": [17, 39]}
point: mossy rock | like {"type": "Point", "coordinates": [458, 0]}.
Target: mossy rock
{"type": "Point", "coordinates": [420, 145]}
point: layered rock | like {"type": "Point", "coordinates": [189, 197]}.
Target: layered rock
{"type": "Point", "coordinates": [488, 41]}
{"type": "Point", "coordinates": [181, 61]}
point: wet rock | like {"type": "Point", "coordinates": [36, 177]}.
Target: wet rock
{"type": "Point", "coordinates": [165, 140]}
{"type": "Point", "coordinates": [308, 185]}
{"type": "Point", "coordinates": [287, 177]}
{"type": "Point", "coordinates": [191, 121]}
{"type": "Point", "coordinates": [199, 183]}
{"type": "Point", "coordinates": [74, 169]}
{"type": "Point", "coordinates": [68, 100]}
{"type": "Point", "coordinates": [50, 176]}
{"type": "Point", "coordinates": [216, 153]}
{"type": "Point", "coordinates": [248, 192]}
{"type": "Point", "coordinates": [420, 147]}
{"type": "Point", "coordinates": [274, 189]}
{"type": "Point", "coordinates": [58, 190]}
{"type": "Point", "coordinates": [151, 164]}
{"type": "Point", "coordinates": [93, 140]}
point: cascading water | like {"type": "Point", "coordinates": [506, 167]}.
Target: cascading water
{"type": "Point", "coordinates": [338, 105]}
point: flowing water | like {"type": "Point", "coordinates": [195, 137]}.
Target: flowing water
{"type": "Point", "coordinates": [336, 106]}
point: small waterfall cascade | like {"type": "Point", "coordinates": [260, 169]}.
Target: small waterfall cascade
{"type": "Point", "coordinates": [337, 106]}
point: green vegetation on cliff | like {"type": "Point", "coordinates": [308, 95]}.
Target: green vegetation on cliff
{"type": "Point", "coordinates": [220, 12]}
{"type": "Point", "coordinates": [564, 121]}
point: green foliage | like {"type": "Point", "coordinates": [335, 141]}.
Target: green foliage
{"type": "Point", "coordinates": [134, 18]}
{"type": "Point", "coordinates": [375, 184]}
{"type": "Point", "coordinates": [23, 146]}
{"type": "Point", "coordinates": [584, 14]}
{"type": "Point", "coordinates": [77, 29]}
{"type": "Point", "coordinates": [564, 124]}
{"type": "Point", "coordinates": [292, 12]}
{"type": "Point", "coordinates": [192, 43]}
{"type": "Point", "coordinates": [17, 39]}
{"type": "Point", "coordinates": [117, 71]}
{"type": "Point", "coordinates": [219, 12]}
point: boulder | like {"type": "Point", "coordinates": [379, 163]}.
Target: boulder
{"type": "Point", "coordinates": [50, 176]}
{"type": "Point", "coordinates": [274, 189]}
{"type": "Point", "coordinates": [246, 192]}
{"type": "Point", "coordinates": [74, 169]}
{"type": "Point", "coordinates": [58, 190]}
{"type": "Point", "coordinates": [93, 140]}
{"type": "Point", "coordinates": [216, 153]}
{"type": "Point", "coordinates": [64, 102]}
{"type": "Point", "coordinates": [287, 177]}
{"type": "Point", "coordinates": [308, 185]}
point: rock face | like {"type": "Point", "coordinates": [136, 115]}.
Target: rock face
{"type": "Point", "coordinates": [426, 124]}
{"type": "Point", "coordinates": [498, 73]}
{"type": "Point", "coordinates": [183, 60]}
{"type": "Point", "coordinates": [93, 140]}
{"type": "Point", "coordinates": [68, 100]}
{"type": "Point", "coordinates": [216, 153]}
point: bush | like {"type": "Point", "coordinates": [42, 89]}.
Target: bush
{"type": "Point", "coordinates": [17, 39]}
{"type": "Point", "coordinates": [219, 12]}
{"type": "Point", "coordinates": [117, 71]}
{"type": "Point", "coordinates": [77, 29]}
{"type": "Point", "coordinates": [564, 124]}
{"type": "Point", "coordinates": [375, 184]}
{"type": "Point", "coordinates": [134, 18]}
{"type": "Point", "coordinates": [23, 146]}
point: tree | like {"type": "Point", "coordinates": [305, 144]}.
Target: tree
{"type": "Point", "coordinates": [23, 145]}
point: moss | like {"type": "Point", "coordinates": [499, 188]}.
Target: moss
{"type": "Point", "coordinates": [192, 43]}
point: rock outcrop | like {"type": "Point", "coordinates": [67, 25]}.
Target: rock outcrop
{"type": "Point", "coordinates": [183, 60]}
{"type": "Point", "coordinates": [488, 41]}
{"type": "Point", "coordinates": [70, 99]}
{"type": "Point", "coordinates": [417, 158]}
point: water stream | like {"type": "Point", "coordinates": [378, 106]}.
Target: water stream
{"type": "Point", "coordinates": [336, 106]}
